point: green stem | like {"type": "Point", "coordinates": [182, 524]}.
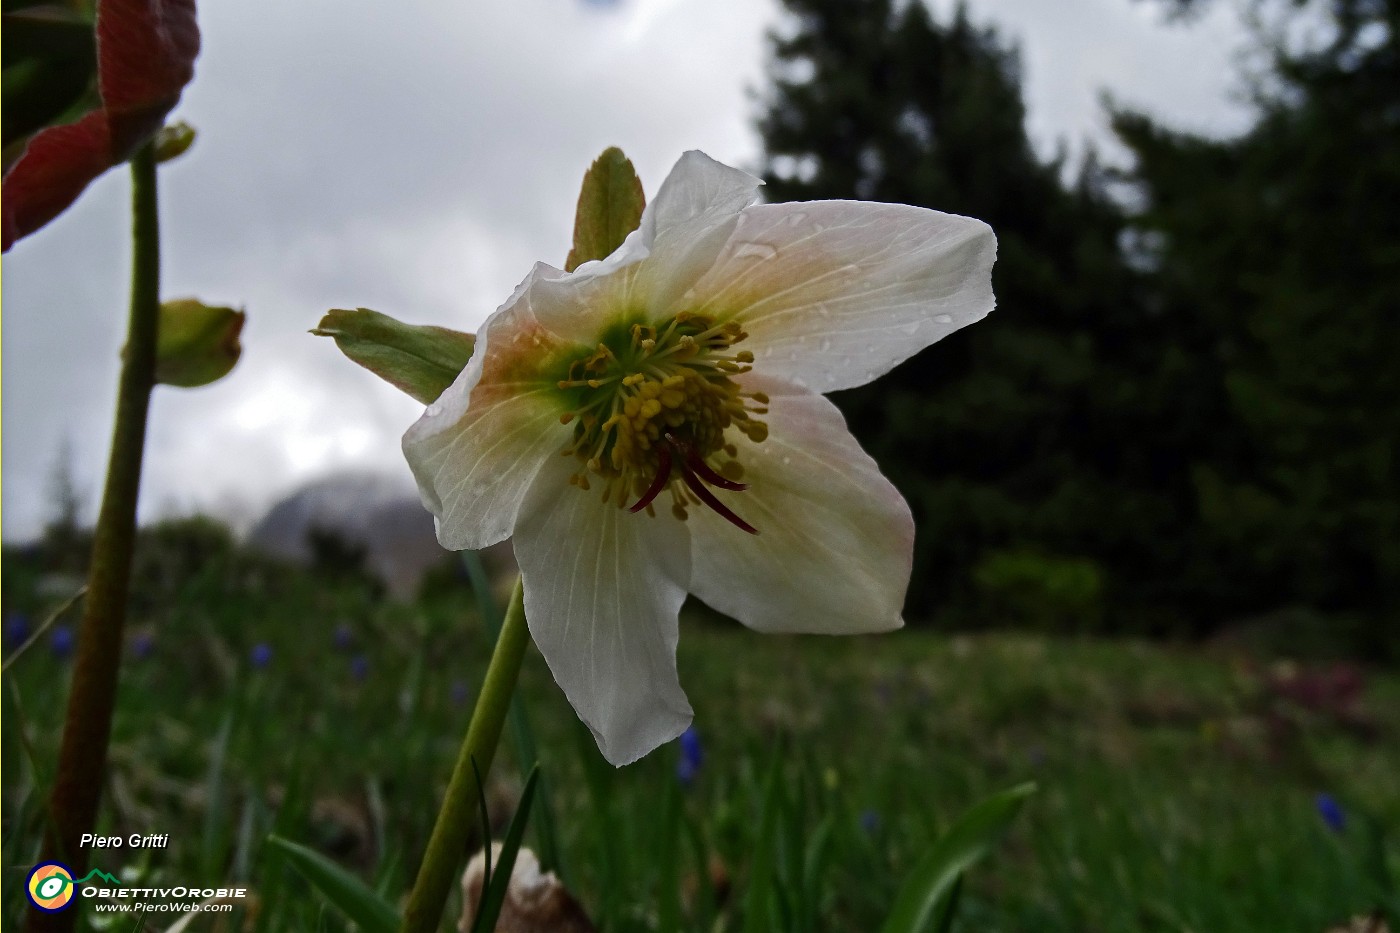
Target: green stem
{"type": "Point", "coordinates": [87, 727]}
{"type": "Point", "coordinates": [456, 819]}
{"type": "Point", "coordinates": [522, 737]}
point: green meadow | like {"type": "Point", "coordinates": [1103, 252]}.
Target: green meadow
{"type": "Point", "coordinates": [1178, 785]}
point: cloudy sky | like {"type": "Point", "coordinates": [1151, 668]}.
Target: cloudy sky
{"type": "Point", "coordinates": [416, 158]}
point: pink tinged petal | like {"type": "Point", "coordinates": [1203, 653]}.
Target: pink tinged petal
{"type": "Point", "coordinates": [603, 588]}
{"type": "Point", "coordinates": [836, 539]}
{"type": "Point", "coordinates": [836, 293]}
{"type": "Point", "coordinates": [477, 449]}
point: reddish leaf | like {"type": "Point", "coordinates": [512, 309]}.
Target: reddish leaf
{"type": "Point", "coordinates": [53, 171]}
{"type": "Point", "coordinates": [145, 53]}
{"type": "Point", "coordinates": [145, 57]}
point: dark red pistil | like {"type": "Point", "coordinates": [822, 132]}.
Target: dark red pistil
{"type": "Point", "coordinates": [693, 469]}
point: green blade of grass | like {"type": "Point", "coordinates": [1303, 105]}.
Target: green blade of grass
{"type": "Point", "coordinates": [668, 884]}
{"type": "Point", "coordinates": [927, 897]}
{"type": "Point", "coordinates": [214, 837]}
{"type": "Point", "coordinates": [763, 876]}
{"type": "Point", "coordinates": [814, 871]}
{"type": "Point", "coordinates": [494, 895]}
{"type": "Point", "coordinates": [44, 626]}
{"type": "Point", "coordinates": [348, 894]}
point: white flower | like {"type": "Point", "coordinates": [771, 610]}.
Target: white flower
{"type": "Point", "coordinates": [681, 380]}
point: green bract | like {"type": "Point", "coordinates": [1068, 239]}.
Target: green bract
{"type": "Point", "coordinates": [197, 343]}
{"type": "Point", "coordinates": [420, 360]}
{"type": "Point", "coordinates": [609, 207]}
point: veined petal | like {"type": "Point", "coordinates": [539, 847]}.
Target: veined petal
{"type": "Point", "coordinates": [680, 236]}
{"type": "Point", "coordinates": [693, 215]}
{"type": "Point", "coordinates": [699, 194]}
{"type": "Point", "coordinates": [835, 543]}
{"type": "Point", "coordinates": [603, 588]}
{"type": "Point", "coordinates": [476, 450]}
{"type": "Point", "coordinates": [836, 293]}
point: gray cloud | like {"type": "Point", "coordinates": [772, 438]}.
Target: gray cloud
{"type": "Point", "coordinates": [416, 158]}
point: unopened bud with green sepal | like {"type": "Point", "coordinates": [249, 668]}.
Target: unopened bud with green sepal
{"type": "Point", "coordinates": [422, 361]}
{"type": "Point", "coordinates": [198, 343]}
{"type": "Point", "coordinates": [173, 140]}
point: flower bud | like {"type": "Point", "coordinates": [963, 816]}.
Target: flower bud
{"type": "Point", "coordinates": [198, 343]}
{"type": "Point", "coordinates": [172, 141]}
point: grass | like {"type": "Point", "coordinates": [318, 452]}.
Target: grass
{"type": "Point", "coordinates": [1177, 786]}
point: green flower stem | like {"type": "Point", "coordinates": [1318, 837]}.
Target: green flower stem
{"type": "Point", "coordinates": [522, 736]}
{"type": "Point", "coordinates": [448, 845]}
{"type": "Point", "coordinates": [87, 727]}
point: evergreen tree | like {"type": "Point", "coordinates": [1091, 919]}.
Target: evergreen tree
{"type": "Point", "coordinates": [1040, 449]}
{"type": "Point", "coordinates": [1282, 249]}
{"type": "Point", "coordinates": [1180, 420]}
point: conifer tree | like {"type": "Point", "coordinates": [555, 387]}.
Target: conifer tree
{"type": "Point", "coordinates": [1283, 246]}
{"type": "Point", "coordinates": [1006, 438]}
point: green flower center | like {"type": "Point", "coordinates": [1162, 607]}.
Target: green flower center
{"type": "Point", "coordinates": [651, 409]}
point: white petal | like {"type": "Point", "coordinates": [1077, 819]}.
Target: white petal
{"type": "Point", "coordinates": [694, 213]}
{"type": "Point", "coordinates": [680, 235]}
{"type": "Point", "coordinates": [698, 194]}
{"type": "Point", "coordinates": [836, 293]}
{"type": "Point", "coordinates": [476, 450]}
{"type": "Point", "coordinates": [603, 588]}
{"type": "Point", "coordinates": [835, 543]}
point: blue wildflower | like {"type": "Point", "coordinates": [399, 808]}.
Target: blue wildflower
{"type": "Point", "coordinates": [691, 758]}
{"type": "Point", "coordinates": [16, 628]}
{"type": "Point", "coordinates": [261, 655]}
{"type": "Point", "coordinates": [61, 641]}
{"type": "Point", "coordinates": [869, 821]}
{"type": "Point", "coordinates": [143, 645]}
{"type": "Point", "coordinates": [344, 637]}
{"type": "Point", "coordinates": [359, 668]}
{"type": "Point", "coordinates": [1331, 812]}
{"type": "Point", "coordinates": [458, 692]}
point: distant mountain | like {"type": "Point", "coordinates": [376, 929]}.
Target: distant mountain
{"type": "Point", "coordinates": [381, 514]}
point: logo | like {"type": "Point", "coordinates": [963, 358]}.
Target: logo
{"type": "Point", "coordinates": [50, 887]}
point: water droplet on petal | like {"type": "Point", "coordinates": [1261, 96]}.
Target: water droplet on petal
{"type": "Point", "coordinates": [757, 251]}
{"type": "Point", "coordinates": [944, 319]}
{"type": "Point", "coordinates": [796, 218]}
{"type": "Point", "coordinates": [786, 460]}
{"type": "Point", "coordinates": [912, 327]}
